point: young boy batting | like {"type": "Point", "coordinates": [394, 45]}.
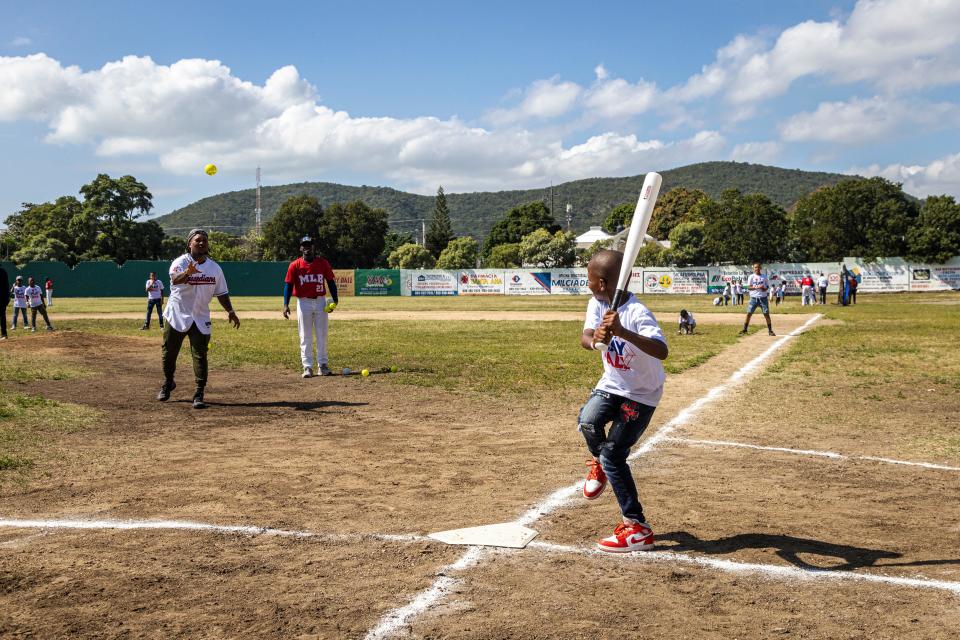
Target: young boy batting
{"type": "Point", "coordinates": [632, 347]}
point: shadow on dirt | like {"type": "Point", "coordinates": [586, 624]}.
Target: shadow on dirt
{"type": "Point", "coordinates": [290, 404]}
{"type": "Point", "coordinates": [787, 547]}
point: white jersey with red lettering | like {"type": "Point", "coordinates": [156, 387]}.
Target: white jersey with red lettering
{"type": "Point", "coordinates": [189, 303]}
{"type": "Point", "coordinates": [34, 296]}
{"type": "Point", "coordinates": [19, 297]}
{"type": "Point", "coordinates": [627, 371]}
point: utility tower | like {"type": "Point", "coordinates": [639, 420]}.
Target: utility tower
{"type": "Point", "coordinates": [258, 210]}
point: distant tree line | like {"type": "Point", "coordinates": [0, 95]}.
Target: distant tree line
{"type": "Point", "coordinates": [868, 218]}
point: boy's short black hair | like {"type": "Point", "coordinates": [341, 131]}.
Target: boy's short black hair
{"type": "Point", "coordinates": [683, 313]}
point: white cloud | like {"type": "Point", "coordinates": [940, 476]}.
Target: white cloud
{"type": "Point", "coordinates": [757, 152]}
{"type": "Point", "coordinates": [861, 121]}
{"type": "Point", "coordinates": [942, 176]}
{"type": "Point", "coordinates": [895, 45]}
{"type": "Point", "coordinates": [196, 111]}
{"type": "Point", "coordinates": [20, 41]}
{"type": "Point", "coordinates": [542, 99]}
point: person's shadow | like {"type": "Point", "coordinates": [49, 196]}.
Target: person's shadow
{"type": "Point", "coordinates": [295, 405]}
{"type": "Point", "coordinates": [790, 549]}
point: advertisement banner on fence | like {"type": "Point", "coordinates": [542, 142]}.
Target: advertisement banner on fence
{"type": "Point", "coordinates": [527, 283]}
{"type": "Point", "coordinates": [475, 282]}
{"type": "Point", "coordinates": [571, 282]}
{"type": "Point", "coordinates": [377, 282]}
{"type": "Point", "coordinates": [932, 277]}
{"type": "Point", "coordinates": [793, 272]}
{"type": "Point", "coordinates": [345, 281]}
{"type": "Point", "coordinates": [720, 276]}
{"type": "Point", "coordinates": [890, 274]}
{"type": "Point", "coordinates": [431, 282]}
{"type": "Point", "coordinates": [675, 280]}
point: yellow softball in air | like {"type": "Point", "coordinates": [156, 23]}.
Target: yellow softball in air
{"type": "Point", "coordinates": [210, 169]}
{"type": "Point", "coordinates": [365, 373]}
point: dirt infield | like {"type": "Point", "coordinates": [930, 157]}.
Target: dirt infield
{"type": "Point", "coordinates": [367, 467]}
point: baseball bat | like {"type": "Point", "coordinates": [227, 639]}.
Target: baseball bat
{"type": "Point", "coordinates": [638, 229]}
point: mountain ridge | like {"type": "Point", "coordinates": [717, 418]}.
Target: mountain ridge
{"type": "Point", "coordinates": [474, 213]}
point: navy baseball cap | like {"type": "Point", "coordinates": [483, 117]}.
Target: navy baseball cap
{"type": "Point", "coordinates": [306, 240]}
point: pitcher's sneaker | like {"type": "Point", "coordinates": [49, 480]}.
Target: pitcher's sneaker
{"type": "Point", "coordinates": [198, 402]}
{"type": "Point", "coordinates": [325, 370]}
{"type": "Point", "coordinates": [627, 538]}
{"type": "Point", "coordinates": [307, 373]}
{"type": "Point", "coordinates": [595, 482]}
{"type": "Point", "coordinates": [770, 332]}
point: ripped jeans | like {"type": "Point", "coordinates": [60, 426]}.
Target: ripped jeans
{"type": "Point", "coordinates": [628, 420]}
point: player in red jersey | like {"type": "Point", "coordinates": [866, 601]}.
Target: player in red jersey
{"type": "Point", "coordinates": [308, 280]}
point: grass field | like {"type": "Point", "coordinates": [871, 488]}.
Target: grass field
{"type": "Point", "coordinates": [813, 459]}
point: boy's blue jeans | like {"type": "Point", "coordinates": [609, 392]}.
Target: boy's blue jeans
{"type": "Point", "coordinates": [628, 420]}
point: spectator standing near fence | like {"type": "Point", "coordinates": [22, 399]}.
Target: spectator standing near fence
{"type": "Point", "coordinates": [854, 283]}
{"type": "Point", "coordinates": [19, 293]}
{"type": "Point", "coordinates": [739, 291]}
{"type": "Point", "coordinates": [154, 288]}
{"type": "Point", "coordinates": [48, 285]}
{"type": "Point", "coordinates": [727, 293]}
{"type": "Point", "coordinates": [35, 299]}
{"type": "Point", "coordinates": [4, 300]}
{"type": "Point", "coordinates": [822, 283]}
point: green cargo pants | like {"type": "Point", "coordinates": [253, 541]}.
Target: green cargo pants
{"type": "Point", "coordinates": [173, 340]}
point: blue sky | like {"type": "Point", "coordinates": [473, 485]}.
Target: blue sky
{"type": "Point", "coordinates": [473, 96]}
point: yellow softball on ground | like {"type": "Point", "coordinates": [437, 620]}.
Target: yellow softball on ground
{"type": "Point", "coordinates": [365, 373]}
{"type": "Point", "coordinates": [210, 169]}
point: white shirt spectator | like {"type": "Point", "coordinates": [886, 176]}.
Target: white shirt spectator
{"type": "Point", "coordinates": [154, 290]}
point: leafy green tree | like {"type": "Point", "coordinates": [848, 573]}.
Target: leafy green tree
{"type": "Point", "coordinates": [504, 256]}
{"type": "Point", "coordinates": [440, 231]}
{"type": "Point", "coordinates": [391, 242]}
{"type": "Point", "coordinates": [673, 207]}
{"type": "Point", "coordinates": [742, 229]}
{"type": "Point", "coordinates": [352, 234]}
{"type": "Point", "coordinates": [40, 249]}
{"type": "Point", "coordinates": [172, 248]}
{"type": "Point", "coordinates": [460, 253]}
{"type": "Point", "coordinates": [867, 218]}
{"type": "Point", "coordinates": [111, 205]}
{"type": "Point", "coordinates": [653, 255]}
{"type": "Point", "coordinates": [519, 222]}
{"type": "Point", "coordinates": [936, 235]}
{"type": "Point", "coordinates": [686, 243]}
{"type": "Point", "coordinates": [411, 256]}
{"type": "Point", "coordinates": [226, 248]}
{"type": "Point", "coordinates": [585, 255]}
{"type": "Point", "coordinates": [619, 217]}
{"type": "Point", "coordinates": [545, 249]}
{"type": "Point", "coordinates": [298, 216]}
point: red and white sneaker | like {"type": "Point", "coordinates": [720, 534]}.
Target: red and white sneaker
{"type": "Point", "coordinates": [596, 480]}
{"type": "Point", "coordinates": [627, 538]}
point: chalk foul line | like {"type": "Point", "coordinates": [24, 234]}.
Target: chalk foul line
{"type": "Point", "coordinates": [809, 452]}
{"type": "Point", "coordinates": [396, 619]}
{"type": "Point", "coordinates": [446, 583]}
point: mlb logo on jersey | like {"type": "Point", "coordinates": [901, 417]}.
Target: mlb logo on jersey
{"type": "Point", "coordinates": [310, 277]}
{"type": "Point", "coordinates": [617, 355]}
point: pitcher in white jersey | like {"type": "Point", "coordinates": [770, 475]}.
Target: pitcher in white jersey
{"type": "Point", "coordinates": [194, 280]}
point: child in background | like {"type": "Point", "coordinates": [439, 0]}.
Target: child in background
{"type": "Point", "coordinates": [687, 322]}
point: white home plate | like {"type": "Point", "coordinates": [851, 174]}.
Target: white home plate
{"type": "Point", "coordinates": [506, 534]}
